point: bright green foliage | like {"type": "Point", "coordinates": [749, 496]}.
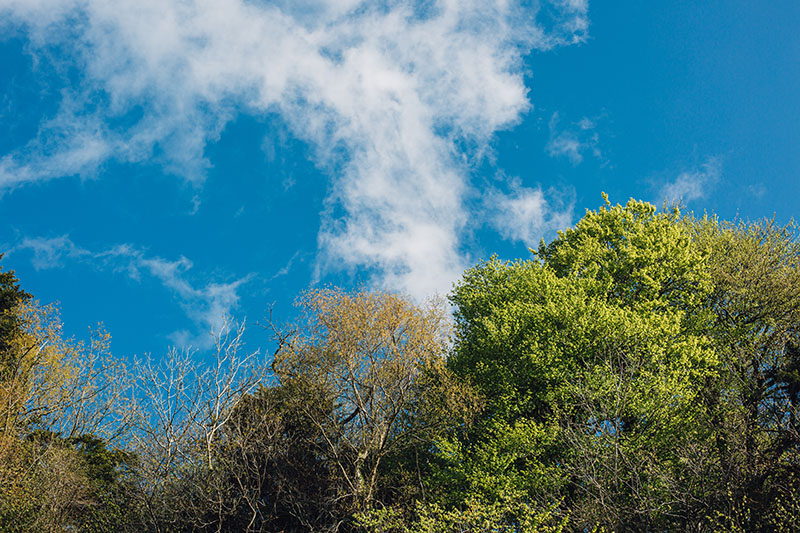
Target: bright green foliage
{"type": "Point", "coordinates": [635, 256]}
{"type": "Point", "coordinates": [474, 517]}
{"type": "Point", "coordinates": [506, 464]}
{"type": "Point", "coordinates": [652, 360]}
{"type": "Point", "coordinates": [588, 355]}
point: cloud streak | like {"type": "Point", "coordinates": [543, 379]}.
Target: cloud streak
{"type": "Point", "coordinates": [693, 184]}
{"type": "Point", "coordinates": [207, 305]}
{"type": "Point", "coordinates": [385, 93]}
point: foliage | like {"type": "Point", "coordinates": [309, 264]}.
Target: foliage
{"type": "Point", "coordinates": [593, 352]}
{"type": "Point", "coordinates": [11, 296]}
{"type": "Point", "coordinates": [368, 369]}
{"type": "Point", "coordinates": [474, 517]}
{"type": "Point", "coordinates": [754, 403]}
{"type": "Point", "coordinates": [61, 403]}
{"type": "Point", "coordinates": [640, 373]}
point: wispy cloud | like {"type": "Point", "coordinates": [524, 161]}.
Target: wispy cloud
{"type": "Point", "coordinates": [526, 214]}
{"type": "Point", "coordinates": [51, 253]}
{"type": "Point", "coordinates": [384, 93]}
{"type": "Point", "coordinates": [693, 184]}
{"type": "Point", "coordinates": [287, 267]}
{"type": "Point", "coordinates": [206, 305]}
{"type": "Point", "coordinates": [575, 140]}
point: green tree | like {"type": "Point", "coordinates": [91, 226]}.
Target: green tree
{"type": "Point", "coordinates": [60, 402]}
{"type": "Point", "coordinates": [753, 402]}
{"type": "Point", "coordinates": [11, 297]}
{"type": "Point", "coordinates": [588, 357]}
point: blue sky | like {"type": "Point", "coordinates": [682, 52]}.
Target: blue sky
{"type": "Point", "coordinates": [164, 163]}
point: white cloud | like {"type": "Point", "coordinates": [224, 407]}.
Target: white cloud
{"type": "Point", "coordinates": [526, 214]}
{"type": "Point", "coordinates": [693, 184]}
{"type": "Point", "coordinates": [51, 253]}
{"type": "Point", "coordinates": [206, 305]}
{"type": "Point", "coordinates": [69, 147]}
{"type": "Point", "coordinates": [575, 140]}
{"type": "Point", "coordinates": [381, 91]}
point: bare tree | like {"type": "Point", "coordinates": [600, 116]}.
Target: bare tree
{"type": "Point", "coordinates": [181, 408]}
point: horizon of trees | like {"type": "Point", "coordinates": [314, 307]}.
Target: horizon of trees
{"type": "Point", "coordinates": [641, 372]}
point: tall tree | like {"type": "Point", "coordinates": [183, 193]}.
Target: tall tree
{"type": "Point", "coordinates": [372, 366]}
{"type": "Point", "coordinates": [589, 358]}
{"type": "Point", "coordinates": [11, 297]}
{"type": "Point", "coordinates": [61, 403]}
{"type": "Point", "coordinates": [753, 403]}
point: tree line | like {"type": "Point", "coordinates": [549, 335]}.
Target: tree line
{"type": "Point", "coordinates": [640, 372]}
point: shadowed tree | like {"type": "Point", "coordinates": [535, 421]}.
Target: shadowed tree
{"type": "Point", "coordinates": [373, 366]}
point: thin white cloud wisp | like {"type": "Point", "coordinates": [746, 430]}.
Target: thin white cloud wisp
{"type": "Point", "coordinates": [574, 141]}
{"type": "Point", "coordinates": [206, 305]}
